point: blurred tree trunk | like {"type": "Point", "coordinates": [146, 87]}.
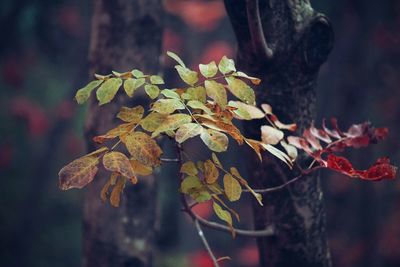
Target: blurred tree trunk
{"type": "Point", "coordinates": [284, 42]}
{"type": "Point", "coordinates": [125, 34]}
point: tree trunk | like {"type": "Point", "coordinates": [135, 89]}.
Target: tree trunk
{"type": "Point", "coordinates": [125, 34]}
{"type": "Point", "coordinates": [284, 42]}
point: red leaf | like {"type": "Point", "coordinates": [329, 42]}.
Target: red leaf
{"type": "Point", "coordinates": [380, 170]}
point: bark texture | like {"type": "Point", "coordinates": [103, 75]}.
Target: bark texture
{"type": "Point", "coordinates": [125, 34]}
{"type": "Point", "coordinates": [284, 42]}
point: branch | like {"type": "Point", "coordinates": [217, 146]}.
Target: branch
{"type": "Point", "coordinates": [269, 231]}
{"type": "Point", "coordinates": [169, 160]}
{"type": "Point", "coordinates": [206, 245]}
{"type": "Point", "coordinates": [258, 40]}
{"type": "Point", "coordinates": [282, 186]}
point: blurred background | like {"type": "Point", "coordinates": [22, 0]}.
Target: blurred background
{"type": "Point", "coordinates": [43, 60]}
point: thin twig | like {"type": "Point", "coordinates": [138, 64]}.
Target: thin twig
{"type": "Point", "coordinates": [169, 160]}
{"type": "Point", "coordinates": [206, 245]}
{"type": "Point", "coordinates": [282, 186]}
{"type": "Point", "coordinates": [269, 231]}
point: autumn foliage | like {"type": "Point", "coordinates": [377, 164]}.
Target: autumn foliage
{"type": "Point", "coordinates": [202, 109]}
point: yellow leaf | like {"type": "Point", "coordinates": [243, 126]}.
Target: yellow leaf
{"type": "Point", "coordinates": [176, 58]}
{"type": "Point", "coordinates": [108, 90]}
{"type": "Point", "coordinates": [253, 80]}
{"type": "Point", "coordinates": [170, 94]}
{"type": "Point", "coordinates": [172, 122]}
{"type": "Point", "coordinates": [241, 90]}
{"type": "Point", "coordinates": [226, 65]}
{"type": "Point", "coordinates": [152, 90]}
{"type": "Point", "coordinates": [209, 70]}
{"type": "Point", "coordinates": [224, 127]}
{"type": "Point", "coordinates": [83, 94]}
{"type": "Point", "coordinates": [214, 140]}
{"type": "Point", "coordinates": [195, 104]}
{"type": "Point", "coordinates": [156, 79]}
{"type": "Point", "coordinates": [210, 172]}
{"type": "Point", "coordinates": [290, 150]}
{"type": "Point", "coordinates": [152, 121]}
{"type": "Point", "coordinates": [236, 174]}
{"type": "Point", "coordinates": [189, 168]}
{"type": "Point", "coordinates": [78, 173]}
{"type": "Point", "coordinates": [216, 91]}
{"type": "Point", "coordinates": [188, 76]}
{"type": "Point", "coordinates": [167, 106]}
{"type": "Point", "coordinates": [233, 190]}
{"type": "Point", "coordinates": [186, 131]}
{"type": "Point", "coordinates": [278, 153]}
{"type": "Point", "coordinates": [115, 197]}
{"type": "Point", "coordinates": [271, 135]}
{"type": "Point", "coordinates": [118, 162]}
{"type": "Point", "coordinates": [131, 85]}
{"type": "Point", "coordinates": [246, 112]}
{"type": "Point", "coordinates": [223, 215]}
{"type": "Point", "coordinates": [140, 169]}
{"type": "Point", "coordinates": [133, 115]}
{"type": "Point", "coordinates": [143, 148]}
{"type": "Point", "coordinates": [118, 131]}
{"type": "Point", "coordinates": [195, 93]}
{"type": "Point", "coordinates": [216, 160]}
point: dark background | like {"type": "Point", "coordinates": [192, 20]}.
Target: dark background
{"type": "Point", "coordinates": [43, 60]}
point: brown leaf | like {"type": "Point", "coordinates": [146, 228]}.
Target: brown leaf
{"type": "Point", "coordinates": [118, 162]}
{"type": "Point", "coordinates": [210, 172]}
{"type": "Point", "coordinates": [78, 173]}
{"type": "Point", "coordinates": [143, 148]}
{"type": "Point", "coordinates": [115, 197]}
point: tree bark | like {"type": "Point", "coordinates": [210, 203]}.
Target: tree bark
{"type": "Point", "coordinates": [125, 34]}
{"type": "Point", "coordinates": [284, 42]}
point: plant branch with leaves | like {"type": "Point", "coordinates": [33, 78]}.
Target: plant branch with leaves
{"type": "Point", "coordinates": [202, 109]}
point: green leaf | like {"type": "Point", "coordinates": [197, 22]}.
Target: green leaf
{"type": "Point", "coordinates": [236, 173]}
{"type": "Point", "coordinates": [108, 90]}
{"type": "Point", "coordinates": [210, 172]}
{"type": "Point", "coordinates": [152, 90]}
{"type": "Point", "coordinates": [208, 70]}
{"type": "Point", "coordinates": [172, 122]}
{"type": "Point", "coordinates": [143, 148]}
{"type": "Point", "coordinates": [176, 58]}
{"type": "Point", "coordinates": [83, 94]}
{"type": "Point", "coordinates": [78, 173]}
{"type": "Point", "coordinates": [233, 190]}
{"type": "Point", "coordinates": [195, 93]}
{"type": "Point", "coordinates": [170, 94]}
{"type": "Point", "coordinates": [152, 121]}
{"type": "Point", "coordinates": [216, 92]}
{"type": "Point", "coordinates": [186, 131]}
{"type": "Point", "coordinates": [254, 80]}
{"type": "Point", "coordinates": [222, 214]}
{"type": "Point", "coordinates": [118, 162]}
{"type": "Point", "coordinates": [216, 160]}
{"type": "Point", "coordinates": [137, 73]}
{"type": "Point", "coordinates": [134, 114]}
{"type": "Point", "coordinates": [226, 65]}
{"type": "Point", "coordinates": [189, 168]}
{"type": "Point", "coordinates": [131, 85]}
{"type": "Point", "coordinates": [188, 76]}
{"type": "Point", "coordinates": [214, 140]}
{"type": "Point", "coordinates": [241, 90]}
{"type": "Point", "coordinates": [246, 112]}
{"type": "Point", "coordinates": [198, 105]}
{"type": "Point", "coordinates": [190, 183]}
{"type": "Point", "coordinates": [167, 106]}
{"type": "Point", "coordinates": [156, 79]}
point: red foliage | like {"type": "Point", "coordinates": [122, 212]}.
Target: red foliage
{"type": "Point", "coordinates": [202, 16]}
{"type": "Point", "coordinates": [32, 113]}
{"type": "Point", "coordinates": [200, 259]}
{"type": "Point", "coordinates": [358, 135]}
